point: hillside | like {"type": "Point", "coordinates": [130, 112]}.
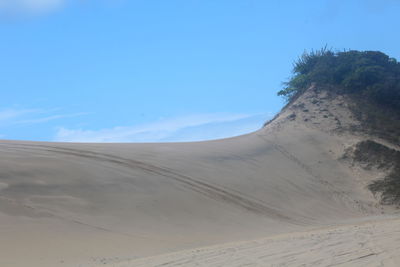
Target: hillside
{"type": "Point", "coordinates": [370, 80]}
{"type": "Point", "coordinates": [367, 83]}
{"type": "Point", "coordinates": [313, 180]}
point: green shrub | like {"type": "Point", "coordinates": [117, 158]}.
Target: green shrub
{"type": "Point", "coordinates": [372, 154]}
{"type": "Point", "coordinates": [370, 74]}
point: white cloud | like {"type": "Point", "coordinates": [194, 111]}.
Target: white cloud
{"type": "Point", "coordinates": [9, 114]}
{"type": "Point", "coordinates": [13, 116]}
{"type": "Point", "coordinates": [12, 7]}
{"type": "Point", "coordinates": [50, 118]}
{"type": "Point", "coordinates": [187, 128]}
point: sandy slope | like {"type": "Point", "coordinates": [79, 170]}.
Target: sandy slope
{"type": "Point", "coordinates": [88, 204]}
{"type": "Point", "coordinates": [374, 243]}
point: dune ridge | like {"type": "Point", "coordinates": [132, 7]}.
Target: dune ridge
{"type": "Point", "coordinates": [70, 204]}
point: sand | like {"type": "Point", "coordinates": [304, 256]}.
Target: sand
{"type": "Point", "coordinates": [280, 196]}
{"type": "Point", "coordinates": [374, 243]}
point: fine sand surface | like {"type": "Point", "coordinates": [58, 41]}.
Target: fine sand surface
{"type": "Point", "coordinates": [375, 243]}
{"type": "Point", "coordinates": [126, 204]}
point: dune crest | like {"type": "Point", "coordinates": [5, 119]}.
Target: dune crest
{"type": "Point", "coordinates": [65, 204]}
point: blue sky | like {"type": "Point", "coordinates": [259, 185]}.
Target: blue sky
{"type": "Point", "coordinates": [150, 71]}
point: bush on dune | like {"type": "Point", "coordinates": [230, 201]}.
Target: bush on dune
{"type": "Point", "coordinates": [371, 74]}
{"type": "Point", "coordinates": [370, 78]}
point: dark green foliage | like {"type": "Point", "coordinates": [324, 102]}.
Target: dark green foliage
{"type": "Point", "coordinates": [372, 154]}
{"type": "Point", "coordinates": [368, 74]}
{"type": "Point", "coordinates": [370, 78]}
{"type": "Point", "coordinates": [389, 187]}
{"type": "Point", "coordinates": [376, 119]}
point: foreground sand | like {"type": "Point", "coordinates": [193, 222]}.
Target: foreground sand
{"type": "Point", "coordinates": [89, 204]}
{"type": "Point", "coordinates": [373, 243]}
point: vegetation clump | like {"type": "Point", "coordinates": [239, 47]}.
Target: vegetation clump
{"type": "Point", "coordinates": [372, 74]}
{"type": "Point", "coordinates": [370, 78]}
{"type": "Point", "coordinates": [371, 154]}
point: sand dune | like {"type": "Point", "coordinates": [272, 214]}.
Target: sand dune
{"type": "Point", "coordinates": [374, 243]}
{"type": "Point", "coordinates": [87, 204]}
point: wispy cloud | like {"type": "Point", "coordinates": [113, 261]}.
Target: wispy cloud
{"type": "Point", "coordinates": [16, 122]}
{"type": "Point", "coordinates": [186, 128]}
{"type": "Point", "coordinates": [50, 118]}
{"type": "Point", "coordinates": [13, 7]}
{"type": "Point", "coordinates": [14, 116]}
{"type": "Point", "coordinates": [10, 114]}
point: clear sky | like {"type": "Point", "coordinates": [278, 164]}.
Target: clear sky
{"type": "Point", "coordinates": [166, 70]}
